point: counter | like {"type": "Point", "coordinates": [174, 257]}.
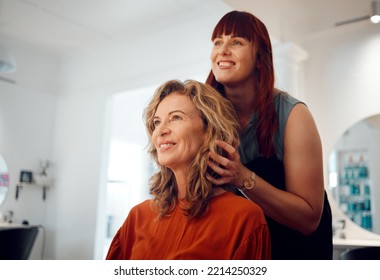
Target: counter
{"type": "Point", "coordinates": [342, 245]}
{"type": "Point", "coordinates": [338, 242]}
{"type": "Point", "coordinates": [37, 252]}
{"type": "Point", "coordinates": [10, 225]}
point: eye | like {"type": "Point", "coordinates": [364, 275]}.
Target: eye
{"type": "Point", "coordinates": [156, 123]}
{"type": "Point", "coordinates": [236, 42]}
{"type": "Point", "coordinates": [218, 42]}
{"type": "Point", "coordinates": [176, 118]}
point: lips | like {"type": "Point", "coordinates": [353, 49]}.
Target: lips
{"type": "Point", "coordinates": [165, 145]}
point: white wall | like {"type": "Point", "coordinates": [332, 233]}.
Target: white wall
{"type": "Point", "coordinates": [26, 136]}
{"type": "Point", "coordinates": [27, 116]}
{"type": "Point", "coordinates": [342, 86]}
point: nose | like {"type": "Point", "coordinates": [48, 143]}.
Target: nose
{"type": "Point", "coordinates": [224, 50]}
{"type": "Point", "coordinates": [163, 130]}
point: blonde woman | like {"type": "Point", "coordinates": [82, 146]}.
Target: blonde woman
{"type": "Point", "coordinates": [188, 217]}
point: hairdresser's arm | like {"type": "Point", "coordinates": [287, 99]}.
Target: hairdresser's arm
{"type": "Point", "coordinates": [300, 206]}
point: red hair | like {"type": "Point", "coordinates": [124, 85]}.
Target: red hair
{"type": "Point", "coordinates": [246, 25]}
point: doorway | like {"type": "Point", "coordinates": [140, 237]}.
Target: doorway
{"type": "Point", "coordinates": [129, 165]}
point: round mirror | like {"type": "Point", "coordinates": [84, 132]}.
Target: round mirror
{"type": "Point", "coordinates": [4, 179]}
{"type": "Point", "coordinates": [354, 177]}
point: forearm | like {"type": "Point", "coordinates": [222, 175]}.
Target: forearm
{"type": "Point", "coordinates": [284, 207]}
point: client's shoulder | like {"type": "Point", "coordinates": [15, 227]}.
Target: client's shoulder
{"type": "Point", "coordinates": [237, 202]}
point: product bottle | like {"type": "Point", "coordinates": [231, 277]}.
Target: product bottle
{"type": "Point", "coordinates": [363, 169]}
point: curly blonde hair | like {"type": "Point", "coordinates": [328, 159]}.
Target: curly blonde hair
{"type": "Point", "coordinates": [220, 122]}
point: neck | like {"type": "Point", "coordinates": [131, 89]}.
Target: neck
{"type": "Point", "coordinates": [181, 177]}
{"type": "Point", "coordinates": [182, 191]}
{"type": "Point", "coordinates": [181, 186]}
{"type": "Point", "coordinates": [243, 100]}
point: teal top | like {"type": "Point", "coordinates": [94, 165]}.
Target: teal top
{"type": "Point", "coordinates": [284, 103]}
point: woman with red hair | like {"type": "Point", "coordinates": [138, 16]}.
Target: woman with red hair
{"type": "Point", "coordinates": [279, 162]}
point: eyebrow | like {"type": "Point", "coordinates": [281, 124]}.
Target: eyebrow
{"type": "Point", "coordinates": [172, 112]}
{"type": "Point", "coordinates": [177, 111]}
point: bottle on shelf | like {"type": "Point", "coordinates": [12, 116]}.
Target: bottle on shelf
{"type": "Point", "coordinates": [362, 166]}
{"type": "Point", "coordinates": [349, 169]}
{"type": "Point", "coordinates": [355, 188]}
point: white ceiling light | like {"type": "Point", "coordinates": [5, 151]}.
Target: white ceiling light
{"type": "Point", "coordinates": [7, 61]}
{"type": "Point", "coordinates": [374, 16]}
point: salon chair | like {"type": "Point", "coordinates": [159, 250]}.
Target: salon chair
{"type": "Point", "coordinates": [364, 253]}
{"type": "Point", "coordinates": [17, 243]}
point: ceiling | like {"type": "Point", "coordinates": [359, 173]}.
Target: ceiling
{"type": "Point", "coordinates": [61, 26]}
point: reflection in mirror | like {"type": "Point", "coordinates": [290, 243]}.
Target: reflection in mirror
{"type": "Point", "coordinates": [4, 179]}
{"type": "Point", "coordinates": [354, 179]}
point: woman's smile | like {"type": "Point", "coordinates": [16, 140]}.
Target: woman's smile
{"type": "Point", "coordinates": [165, 146]}
{"type": "Point", "coordinates": [226, 64]}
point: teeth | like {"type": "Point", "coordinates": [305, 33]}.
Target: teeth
{"type": "Point", "coordinates": [225, 64]}
{"type": "Point", "coordinates": [166, 145]}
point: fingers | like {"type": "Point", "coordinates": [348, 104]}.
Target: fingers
{"type": "Point", "coordinates": [227, 147]}
{"type": "Point", "coordinates": [218, 168]}
{"type": "Point", "coordinates": [220, 181]}
{"type": "Point", "coordinates": [228, 167]}
{"type": "Point", "coordinates": [224, 175]}
{"type": "Point", "coordinates": [216, 164]}
{"type": "Point", "coordinates": [223, 165]}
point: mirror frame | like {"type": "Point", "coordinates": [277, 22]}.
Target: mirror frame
{"type": "Point", "coordinates": [4, 179]}
{"type": "Point", "coordinates": [351, 185]}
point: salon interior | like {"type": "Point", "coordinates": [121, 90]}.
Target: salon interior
{"type": "Point", "coordinates": [76, 75]}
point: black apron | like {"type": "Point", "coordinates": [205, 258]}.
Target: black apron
{"type": "Point", "coordinates": [289, 244]}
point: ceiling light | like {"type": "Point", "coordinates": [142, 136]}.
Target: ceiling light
{"type": "Point", "coordinates": [7, 61]}
{"type": "Point", "coordinates": [375, 15]}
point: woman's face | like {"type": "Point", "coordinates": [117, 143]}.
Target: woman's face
{"type": "Point", "coordinates": [178, 132]}
{"type": "Point", "coordinates": [233, 60]}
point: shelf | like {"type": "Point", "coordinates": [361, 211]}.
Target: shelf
{"type": "Point", "coordinates": [354, 187]}
{"type": "Point", "coordinates": [21, 185]}
{"type": "Point", "coordinates": [338, 242]}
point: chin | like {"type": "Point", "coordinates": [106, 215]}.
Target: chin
{"type": "Point", "coordinates": [165, 163]}
{"type": "Point", "coordinates": [225, 81]}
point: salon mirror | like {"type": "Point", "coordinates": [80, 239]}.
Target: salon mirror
{"type": "Point", "coordinates": [354, 177]}
{"type": "Point", "coordinates": [4, 179]}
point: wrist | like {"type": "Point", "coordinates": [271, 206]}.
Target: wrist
{"type": "Point", "coordinates": [249, 183]}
